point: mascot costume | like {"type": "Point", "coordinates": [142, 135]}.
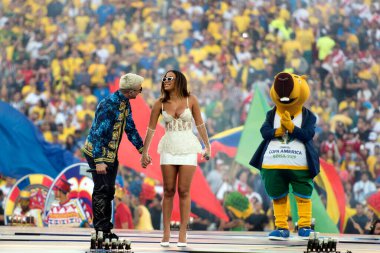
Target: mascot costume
{"type": "Point", "coordinates": [287, 154]}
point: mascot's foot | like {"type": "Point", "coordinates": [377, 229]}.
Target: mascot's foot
{"type": "Point", "coordinates": [279, 235]}
{"type": "Point", "coordinates": [305, 232]}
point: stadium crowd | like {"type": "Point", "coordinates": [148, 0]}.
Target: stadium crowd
{"type": "Point", "coordinates": [59, 58]}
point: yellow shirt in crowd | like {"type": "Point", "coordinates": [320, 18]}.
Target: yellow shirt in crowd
{"type": "Point", "coordinates": [306, 38]}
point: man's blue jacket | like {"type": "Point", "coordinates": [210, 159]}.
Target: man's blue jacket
{"type": "Point", "coordinates": [112, 116]}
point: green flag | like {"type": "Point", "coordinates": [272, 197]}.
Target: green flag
{"type": "Point", "coordinates": [251, 137]}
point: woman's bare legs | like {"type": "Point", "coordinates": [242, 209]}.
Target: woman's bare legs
{"type": "Point", "coordinates": [169, 176]}
{"type": "Point", "coordinates": [185, 176]}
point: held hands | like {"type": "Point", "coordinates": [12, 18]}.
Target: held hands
{"type": "Point", "coordinates": [145, 160]}
{"type": "Point", "coordinates": [287, 122]}
{"type": "Point", "coordinates": [101, 168]}
{"type": "Point", "coordinates": [279, 131]}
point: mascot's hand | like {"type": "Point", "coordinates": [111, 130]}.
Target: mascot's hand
{"type": "Point", "coordinates": [279, 132]}
{"type": "Point", "coordinates": [287, 122]}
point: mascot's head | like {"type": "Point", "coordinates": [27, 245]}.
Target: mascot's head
{"type": "Point", "coordinates": [289, 92]}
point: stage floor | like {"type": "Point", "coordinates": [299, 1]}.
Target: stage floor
{"type": "Point", "coordinates": [43, 240]}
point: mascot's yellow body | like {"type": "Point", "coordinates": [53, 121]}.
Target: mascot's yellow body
{"type": "Point", "coordinates": [287, 155]}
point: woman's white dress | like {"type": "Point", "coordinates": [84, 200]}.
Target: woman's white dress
{"type": "Point", "coordinates": [179, 145]}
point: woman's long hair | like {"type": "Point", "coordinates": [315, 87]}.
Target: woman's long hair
{"type": "Point", "coordinates": [180, 84]}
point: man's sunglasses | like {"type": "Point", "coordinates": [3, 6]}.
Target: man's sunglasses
{"type": "Point", "coordinates": [170, 78]}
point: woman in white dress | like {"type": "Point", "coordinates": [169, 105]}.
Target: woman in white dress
{"type": "Point", "coordinates": [178, 148]}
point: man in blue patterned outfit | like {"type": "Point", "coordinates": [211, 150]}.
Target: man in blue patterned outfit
{"type": "Point", "coordinates": [112, 115]}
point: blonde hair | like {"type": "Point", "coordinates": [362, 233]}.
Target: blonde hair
{"type": "Point", "coordinates": [130, 81]}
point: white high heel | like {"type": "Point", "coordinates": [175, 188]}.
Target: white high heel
{"type": "Point", "coordinates": [165, 244]}
{"type": "Point", "coordinates": [182, 244]}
